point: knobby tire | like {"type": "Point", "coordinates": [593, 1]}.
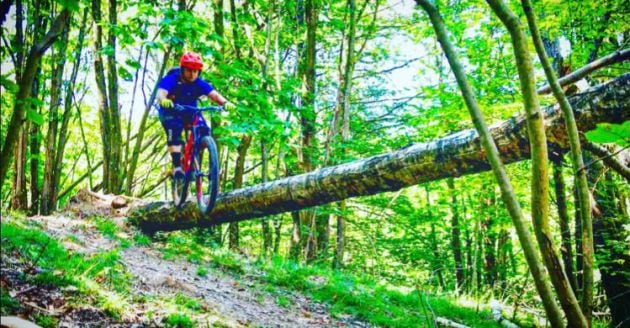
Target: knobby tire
{"type": "Point", "coordinates": [180, 191]}
{"type": "Point", "coordinates": [206, 200]}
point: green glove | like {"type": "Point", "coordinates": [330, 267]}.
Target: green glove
{"type": "Point", "coordinates": [229, 106]}
{"type": "Point", "coordinates": [166, 103]}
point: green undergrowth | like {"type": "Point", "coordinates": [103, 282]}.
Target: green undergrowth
{"type": "Point", "coordinates": [380, 304]}
{"type": "Point", "coordinates": [346, 294]}
{"type": "Point", "coordinates": [99, 275]}
{"type": "Point", "coordinates": [109, 229]}
{"type": "Point", "coordinates": [100, 279]}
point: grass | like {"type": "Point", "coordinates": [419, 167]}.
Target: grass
{"type": "Point", "coordinates": [45, 321]}
{"type": "Point", "coordinates": [8, 305]}
{"type": "Point", "coordinates": [141, 239]}
{"type": "Point", "coordinates": [103, 278]}
{"type": "Point", "coordinates": [178, 320]}
{"type": "Point", "coordinates": [355, 295]}
{"type": "Point", "coordinates": [109, 229]}
{"type": "Point", "coordinates": [187, 302]}
{"type": "Point", "coordinates": [106, 226]}
{"type": "Point", "coordinates": [180, 244]}
{"type": "Point", "coordinates": [100, 274]}
{"type": "Point", "coordinates": [202, 271]}
{"type": "Point", "coordinates": [368, 300]}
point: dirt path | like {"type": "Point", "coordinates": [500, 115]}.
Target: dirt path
{"type": "Point", "coordinates": [226, 301]}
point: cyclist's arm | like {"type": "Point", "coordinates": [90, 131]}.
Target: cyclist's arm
{"type": "Point", "coordinates": [217, 97]}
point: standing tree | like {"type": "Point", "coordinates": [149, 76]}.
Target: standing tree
{"type": "Point", "coordinates": [578, 165]}
{"type": "Point", "coordinates": [540, 174]}
{"type": "Point", "coordinates": [25, 85]}
{"type": "Point", "coordinates": [107, 86]}
{"type": "Point", "coordinates": [507, 192]}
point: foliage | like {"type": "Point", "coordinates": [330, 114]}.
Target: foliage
{"type": "Point", "coordinates": [8, 304]}
{"type": "Point", "coordinates": [611, 133]}
{"type": "Point", "coordinates": [402, 92]}
{"type": "Point", "coordinates": [46, 321]}
{"type": "Point", "coordinates": [178, 321]}
{"type": "Point", "coordinates": [55, 266]}
{"type": "Point", "coordinates": [379, 303]}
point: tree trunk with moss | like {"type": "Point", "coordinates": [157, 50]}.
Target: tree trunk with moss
{"type": "Point", "coordinates": [566, 249]}
{"type": "Point", "coordinates": [611, 247]}
{"type": "Point", "coordinates": [452, 156]}
{"type": "Point", "coordinates": [540, 174]}
{"type": "Point", "coordinates": [455, 237]}
{"type": "Point", "coordinates": [239, 171]}
{"type": "Point", "coordinates": [538, 155]}
{"type": "Point", "coordinates": [578, 170]}
{"type": "Point", "coordinates": [25, 84]}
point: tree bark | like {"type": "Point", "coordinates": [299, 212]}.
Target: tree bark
{"type": "Point", "coordinates": [455, 237]}
{"type": "Point", "coordinates": [306, 73]}
{"type": "Point", "coordinates": [267, 238]}
{"type": "Point", "coordinates": [488, 215]}
{"type": "Point", "coordinates": [609, 159]}
{"type": "Point", "coordinates": [19, 196]}
{"type": "Point", "coordinates": [25, 84]}
{"type": "Point", "coordinates": [534, 127]}
{"type": "Point", "coordinates": [437, 266]}
{"type": "Point", "coordinates": [115, 150]}
{"type": "Point", "coordinates": [615, 57]}
{"type": "Point", "coordinates": [561, 202]}
{"type": "Point", "coordinates": [454, 155]}
{"type": "Point", "coordinates": [340, 237]}
{"type": "Point", "coordinates": [239, 171]}
{"type": "Point", "coordinates": [34, 145]}
{"type": "Point", "coordinates": [68, 102]}
{"type": "Point", "coordinates": [59, 59]}
{"type": "Point", "coordinates": [580, 177]}
{"type": "Point", "coordinates": [540, 172]}
{"type": "Point", "coordinates": [103, 101]}
{"type": "Point", "coordinates": [612, 250]}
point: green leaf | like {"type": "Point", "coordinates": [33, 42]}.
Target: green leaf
{"type": "Point", "coordinates": [125, 74]}
{"type": "Point", "coordinates": [107, 50]}
{"type": "Point", "coordinates": [611, 133]}
{"type": "Point", "coordinates": [133, 63]}
{"type": "Point", "coordinates": [72, 5]}
{"type": "Point", "coordinates": [34, 117]}
{"type": "Point", "coordinates": [8, 84]}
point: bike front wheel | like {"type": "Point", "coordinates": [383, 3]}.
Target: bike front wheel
{"type": "Point", "coordinates": [180, 191]}
{"type": "Point", "coordinates": [207, 175]}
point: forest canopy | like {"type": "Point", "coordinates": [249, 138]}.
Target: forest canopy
{"type": "Point", "coordinates": [321, 83]}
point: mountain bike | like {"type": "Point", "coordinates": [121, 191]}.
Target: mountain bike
{"type": "Point", "coordinates": [199, 142]}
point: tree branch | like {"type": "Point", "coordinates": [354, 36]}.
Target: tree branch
{"type": "Point", "coordinates": [608, 158]}
{"type": "Point", "coordinates": [616, 57]}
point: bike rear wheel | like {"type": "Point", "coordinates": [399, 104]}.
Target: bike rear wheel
{"type": "Point", "coordinates": [207, 199]}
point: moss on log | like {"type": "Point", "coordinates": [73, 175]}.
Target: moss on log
{"type": "Point", "coordinates": [451, 156]}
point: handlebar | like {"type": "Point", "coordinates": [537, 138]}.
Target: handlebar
{"type": "Point", "coordinates": [198, 109]}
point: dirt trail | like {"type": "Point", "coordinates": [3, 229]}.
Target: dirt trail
{"type": "Point", "coordinates": [226, 301]}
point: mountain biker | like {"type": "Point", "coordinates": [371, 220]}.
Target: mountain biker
{"type": "Point", "coordinates": [183, 86]}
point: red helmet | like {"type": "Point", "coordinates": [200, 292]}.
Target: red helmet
{"type": "Point", "coordinates": [191, 60]}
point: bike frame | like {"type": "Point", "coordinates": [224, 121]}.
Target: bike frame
{"type": "Point", "coordinates": [191, 149]}
{"type": "Point", "coordinates": [197, 139]}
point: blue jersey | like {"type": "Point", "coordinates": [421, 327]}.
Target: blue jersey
{"type": "Point", "coordinates": [184, 93]}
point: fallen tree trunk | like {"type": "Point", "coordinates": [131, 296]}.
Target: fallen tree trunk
{"type": "Point", "coordinates": [452, 156]}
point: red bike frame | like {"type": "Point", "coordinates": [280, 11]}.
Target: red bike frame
{"type": "Point", "coordinates": [190, 143]}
